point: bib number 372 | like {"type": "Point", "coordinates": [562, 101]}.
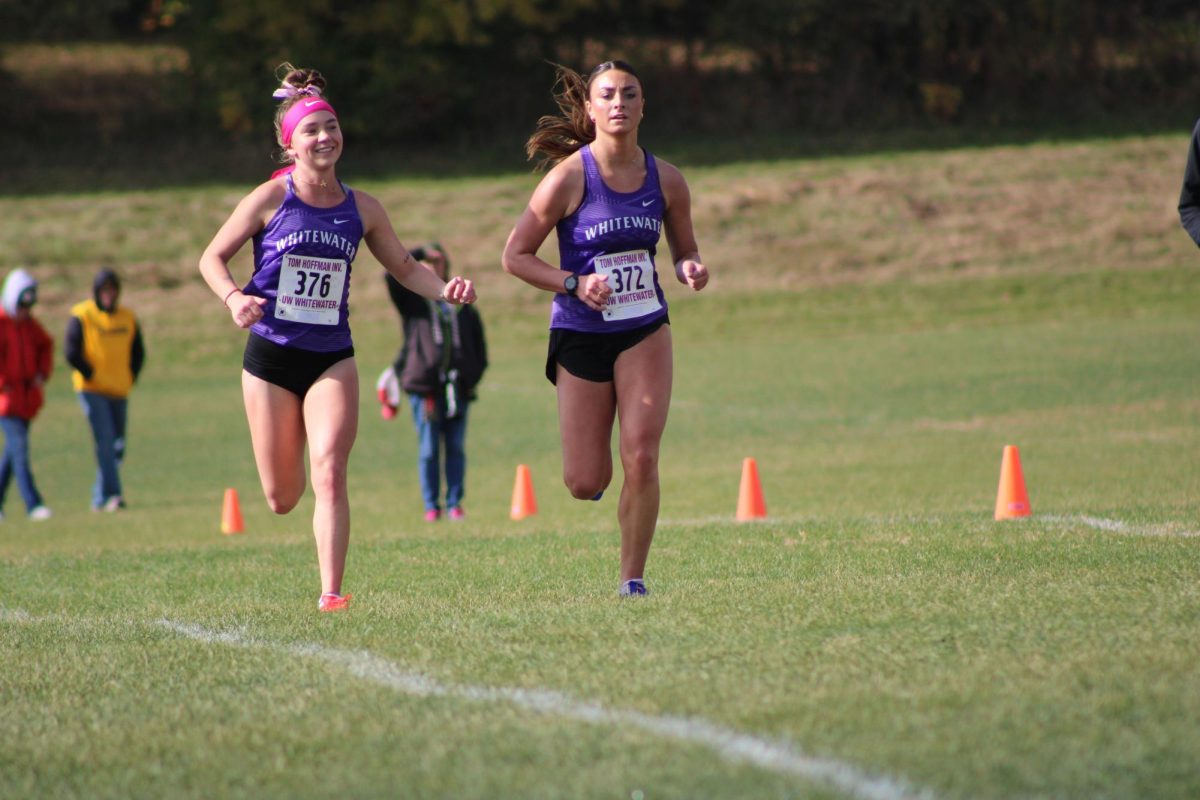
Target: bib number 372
{"type": "Point", "coordinates": [631, 278]}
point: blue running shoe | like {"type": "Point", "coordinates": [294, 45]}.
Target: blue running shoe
{"type": "Point", "coordinates": [634, 587]}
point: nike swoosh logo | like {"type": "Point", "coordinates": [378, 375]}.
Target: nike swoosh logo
{"type": "Point", "coordinates": [646, 203]}
{"type": "Point", "coordinates": [310, 103]}
{"type": "Point", "coordinates": [339, 221]}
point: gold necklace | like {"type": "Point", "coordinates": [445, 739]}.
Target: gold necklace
{"type": "Point", "coordinates": [324, 184]}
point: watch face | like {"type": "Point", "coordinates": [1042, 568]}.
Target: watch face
{"type": "Point", "coordinates": [570, 283]}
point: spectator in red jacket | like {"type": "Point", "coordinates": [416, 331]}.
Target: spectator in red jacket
{"type": "Point", "coordinates": [26, 359]}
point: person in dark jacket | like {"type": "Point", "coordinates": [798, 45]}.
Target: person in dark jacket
{"type": "Point", "coordinates": [441, 360]}
{"type": "Point", "coordinates": [26, 360]}
{"type": "Point", "coordinates": [104, 346]}
{"type": "Point", "coordinates": [1189, 195]}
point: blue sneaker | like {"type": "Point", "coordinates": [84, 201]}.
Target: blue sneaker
{"type": "Point", "coordinates": [635, 587]}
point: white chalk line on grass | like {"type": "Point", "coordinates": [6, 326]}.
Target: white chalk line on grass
{"type": "Point", "coordinates": [1119, 526]}
{"type": "Point", "coordinates": [1099, 523]}
{"type": "Point", "coordinates": [773, 755]}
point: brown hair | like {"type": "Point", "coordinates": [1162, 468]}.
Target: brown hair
{"type": "Point", "coordinates": [557, 136]}
{"type": "Point", "coordinates": [304, 83]}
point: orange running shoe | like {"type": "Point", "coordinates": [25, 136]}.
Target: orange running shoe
{"type": "Point", "coordinates": [334, 602]}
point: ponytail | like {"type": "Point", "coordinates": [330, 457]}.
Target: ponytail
{"type": "Point", "coordinates": [557, 136]}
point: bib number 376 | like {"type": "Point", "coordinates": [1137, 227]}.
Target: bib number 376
{"type": "Point", "coordinates": [310, 289]}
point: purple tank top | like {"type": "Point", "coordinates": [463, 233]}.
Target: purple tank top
{"type": "Point", "coordinates": [302, 267]}
{"type": "Point", "coordinates": [613, 233]}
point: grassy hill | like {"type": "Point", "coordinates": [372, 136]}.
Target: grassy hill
{"type": "Point", "coordinates": [878, 328]}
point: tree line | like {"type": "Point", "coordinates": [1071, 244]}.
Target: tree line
{"type": "Point", "coordinates": [464, 70]}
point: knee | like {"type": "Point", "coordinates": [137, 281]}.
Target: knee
{"type": "Point", "coordinates": [585, 487]}
{"type": "Point", "coordinates": [329, 478]}
{"type": "Point", "coordinates": [281, 503]}
{"type": "Point", "coordinates": [640, 464]}
{"type": "Point", "coordinates": [283, 495]}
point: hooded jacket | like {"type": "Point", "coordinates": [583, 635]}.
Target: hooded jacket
{"type": "Point", "coordinates": [104, 345]}
{"type": "Point", "coordinates": [441, 345]}
{"type": "Point", "coordinates": [26, 352]}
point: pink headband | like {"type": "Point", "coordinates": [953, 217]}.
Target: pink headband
{"type": "Point", "coordinates": [299, 111]}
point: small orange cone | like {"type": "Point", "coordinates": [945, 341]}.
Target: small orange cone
{"type": "Point", "coordinates": [524, 504]}
{"type": "Point", "coordinates": [1012, 500]}
{"type": "Point", "coordinates": [750, 497]}
{"type": "Point", "coordinates": [231, 514]}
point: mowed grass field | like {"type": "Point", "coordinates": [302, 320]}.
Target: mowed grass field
{"type": "Point", "coordinates": [877, 330]}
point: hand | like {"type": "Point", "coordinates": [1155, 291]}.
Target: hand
{"type": "Point", "coordinates": [594, 291]}
{"type": "Point", "coordinates": [245, 309]}
{"type": "Point", "coordinates": [693, 273]}
{"type": "Point", "coordinates": [459, 290]}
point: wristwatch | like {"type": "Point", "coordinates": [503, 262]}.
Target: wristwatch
{"type": "Point", "coordinates": [571, 283]}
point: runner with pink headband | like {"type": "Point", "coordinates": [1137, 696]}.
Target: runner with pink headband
{"type": "Point", "coordinates": [299, 376]}
{"type": "Point", "coordinates": [299, 111]}
{"type": "Point", "coordinates": [293, 116]}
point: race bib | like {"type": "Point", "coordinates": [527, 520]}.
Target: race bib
{"type": "Point", "coordinates": [310, 289]}
{"type": "Point", "coordinates": [631, 278]}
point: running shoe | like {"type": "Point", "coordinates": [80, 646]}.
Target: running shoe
{"type": "Point", "coordinates": [334, 602]}
{"type": "Point", "coordinates": [39, 513]}
{"type": "Point", "coordinates": [634, 587]}
{"type": "Point", "coordinates": [432, 515]}
{"type": "Point", "coordinates": [457, 514]}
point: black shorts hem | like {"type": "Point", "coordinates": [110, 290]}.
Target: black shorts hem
{"type": "Point", "coordinates": [289, 367]}
{"type": "Point", "coordinates": [593, 356]}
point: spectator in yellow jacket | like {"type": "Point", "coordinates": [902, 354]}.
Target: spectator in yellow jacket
{"type": "Point", "coordinates": [104, 345]}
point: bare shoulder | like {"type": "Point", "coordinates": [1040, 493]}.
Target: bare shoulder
{"type": "Point", "coordinates": [669, 175]}
{"type": "Point", "coordinates": [267, 195]}
{"type": "Point", "coordinates": [561, 190]}
{"type": "Point", "coordinates": [674, 187]}
{"type": "Point", "coordinates": [566, 174]}
{"type": "Point", "coordinates": [257, 208]}
{"type": "Point", "coordinates": [361, 197]}
{"type": "Point", "coordinates": [369, 208]}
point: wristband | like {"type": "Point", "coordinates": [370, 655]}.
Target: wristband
{"type": "Point", "coordinates": [225, 302]}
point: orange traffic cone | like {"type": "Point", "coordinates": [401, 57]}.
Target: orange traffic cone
{"type": "Point", "coordinates": [231, 514]}
{"type": "Point", "coordinates": [750, 497]}
{"type": "Point", "coordinates": [1012, 500]}
{"type": "Point", "coordinates": [524, 504]}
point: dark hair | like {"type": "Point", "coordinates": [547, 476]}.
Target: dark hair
{"type": "Point", "coordinates": [306, 82]}
{"type": "Point", "coordinates": [557, 136]}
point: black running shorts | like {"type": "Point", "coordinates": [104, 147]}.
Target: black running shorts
{"type": "Point", "coordinates": [592, 356]}
{"type": "Point", "coordinates": [289, 367]}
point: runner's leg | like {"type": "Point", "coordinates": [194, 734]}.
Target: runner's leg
{"type": "Point", "coordinates": [331, 417]}
{"type": "Point", "coordinates": [642, 377]}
